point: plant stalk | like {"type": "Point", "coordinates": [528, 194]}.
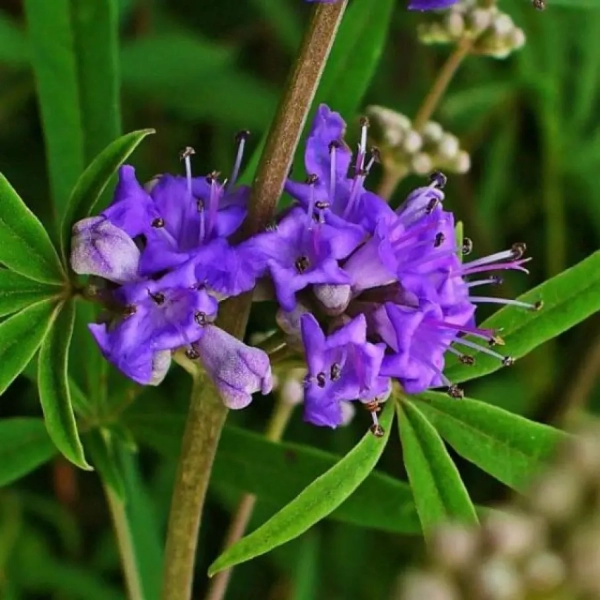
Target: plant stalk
{"type": "Point", "coordinates": [274, 432]}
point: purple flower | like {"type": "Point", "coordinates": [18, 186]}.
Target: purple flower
{"type": "Point", "coordinates": [341, 367]}
{"type": "Point", "coordinates": [237, 370]}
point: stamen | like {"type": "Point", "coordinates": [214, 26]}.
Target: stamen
{"type": "Point", "coordinates": [486, 334]}
{"type": "Point", "coordinates": [356, 185]}
{"type": "Point", "coordinates": [505, 266]}
{"type": "Point", "coordinates": [438, 179]}
{"type": "Point", "coordinates": [452, 389]}
{"type": "Point", "coordinates": [240, 139]}
{"type": "Point", "coordinates": [192, 353]}
{"type": "Point", "coordinates": [518, 303]}
{"type": "Point", "coordinates": [490, 280]}
{"type": "Point", "coordinates": [185, 156]}
{"type": "Point", "coordinates": [158, 298]}
{"type": "Point", "coordinates": [376, 429]}
{"type": "Point", "coordinates": [158, 223]}
{"type": "Point", "coordinates": [321, 379]}
{"type": "Point", "coordinates": [362, 147]}
{"type": "Point", "coordinates": [333, 146]}
{"type": "Point", "coordinates": [311, 180]}
{"type": "Point", "coordinates": [467, 246]}
{"type": "Point", "coordinates": [465, 359]}
{"type": "Point", "coordinates": [213, 201]}
{"type": "Point", "coordinates": [336, 371]}
{"type": "Point", "coordinates": [201, 318]}
{"type": "Point", "coordinates": [515, 253]}
{"type": "Point", "coordinates": [505, 360]}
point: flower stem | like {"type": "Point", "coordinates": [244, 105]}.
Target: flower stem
{"type": "Point", "coordinates": [205, 421]}
{"type": "Point", "coordinates": [125, 543]}
{"type": "Point", "coordinates": [392, 177]}
{"type": "Point", "coordinates": [274, 432]}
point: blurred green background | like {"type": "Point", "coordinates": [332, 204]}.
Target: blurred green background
{"type": "Point", "coordinates": [200, 70]}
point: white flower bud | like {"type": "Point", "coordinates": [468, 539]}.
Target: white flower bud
{"type": "Point", "coordinates": [516, 38]}
{"type": "Point", "coordinates": [544, 572]}
{"type": "Point", "coordinates": [480, 19]}
{"type": "Point", "coordinates": [429, 586]}
{"type": "Point", "coordinates": [348, 412]}
{"type": "Point", "coordinates": [455, 24]}
{"type": "Point", "coordinates": [412, 142]}
{"type": "Point", "coordinates": [448, 146]}
{"type": "Point", "coordinates": [503, 24]}
{"type": "Point", "coordinates": [432, 132]}
{"type": "Point", "coordinates": [462, 162]}
{"type": "Point", "coordinates": [421, 163]}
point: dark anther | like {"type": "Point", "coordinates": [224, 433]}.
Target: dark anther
{"type": "Point", "coordinates": [321, 380]}
{"type": "Point", "coordinates": [455, 392]}
{"type": "Point", "coordinates": [466, 359]}
{"type": "Point", "coordinates": [377, 430]}
{"type": "Point", "coordinates": [539, 4]}
{"type": "Point", "coordinates": [518, 250]}
{"type": "Point", "coordinates": [333, 144]}
{"type": "Point", "coordinates": [497, 280]}
{"type": "Point", "coordinates": [201, 318]}
{"type": "Point", "coordinates": [321, 205]}
{"type": "Point", "coordinates": [158, 223]}
{"type": "Point", "coordinates": [187, 151]}
{"type": "Point", "coordinates": [242, 135]}
{"type": "Point", "coordinates": [440, 238]}
{"type": "Point", "coordinates": [372, 406]}
{"type": "Point", "coordinates": [538, 305]}
{"type": "Point", "coordinates": [212, 176]}
{"type": "Point", "coordinates": [158, 298]}
{"type": "Point", "coordinates": [302, 263]}
{"type": "Point", "coordinates": [129, 310]}
{"type": "Point", "coordinates": [364, 122]}
{"type": "Point", "coordinates": [192, 353]}
{"type": "Point", "coordinates": [508, 361]}
{"type": "Point", "coordinates": [272, 226]}
{"type": "Point", "coordinates": [376, 154]}
{"type": "Point", "coordinates": [336, 372]}
{"type": "Point", "coordinates": [431, 205]}
{"type": "Point", "coordinates": [496, 340]}
{"type": "Point", "coordinates": [200, 205]}
{"type": "Point", "coordinates": [439, 179]}
{"type": "Point", "coordinates": [312, 179]}
{"type": "Point", "coordinates": [467, 246]}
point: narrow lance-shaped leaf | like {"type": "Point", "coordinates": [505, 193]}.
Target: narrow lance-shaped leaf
{"type": "Point", "coordinates": [317, 501]}
{"type": "Point", "coordinates": [438, 490]}
{"type": "Point", "coordinates": [105, 460]}
{"type": "Point", "coordinates": [95, 178]}
{"type": "Point", "coordinates": [17, 292]}
{"type": "Point", "coordinates": [24, 446]}
{"type": "Point", "coordinates": [75, 60]}
{"type": "Point", "coordinates": [25, 245]}
{"type": "Point", "coordinates": [278, 472]}
{"type": "Point", "coordinates": [568, 299]}
{"type": "Point", "coordinates": [53, 384]}
{"type": "Point", "coordinates": [20, 337]}
{"type": "Point", "coordinates": [507, 446]}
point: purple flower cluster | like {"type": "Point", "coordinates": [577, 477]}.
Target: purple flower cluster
{"type": "Point", "coordinates": [164, 260]}
{"type": "Point", "coordinates": [413, 5]}
{"type": "Point", "coordinates": [370, 294]}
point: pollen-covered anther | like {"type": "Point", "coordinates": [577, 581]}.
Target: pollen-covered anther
{"type": "Point", "coordinates": [508, 361]}
{"type": "Point", "coordinates": [467, 359]}
{"type": "Point", "coordinates": [321, 379]}
{"type": "Point", "coordinates": [158, 298]}
{"type": "Point", "coordinates": [438, 179]}
{"type": "Point", "coordinates": [376, 429]}
{"type": "Point", "coordinates": [201, 318]}
{"type": "Point", "coordinates": [158, 223]}
{"type": "Point", "coordinates": [186, 153]}
{"type": "Point", "coordinates": [496, 340]}
{"type": "Point", "coordinates": [440, 238]}
{"type": "Point", "coordinates": [518, 250]}
{"type": "Point", "coordinates": [537, 305]}
{"type": "Point", "coordinates": [321, 204]}
{"type": "Point", "coordinates": [192, 353]}
{"type": "Point", "coordinates": [455, 392]}
{"type": "Point", "coordinates": [302, 263]}
{"type": "Point", "coordinates": [213, 176]}
{"type": "Point", "coordinates": [373, 406]}
{"type": "Point", "coordinates": [467, 246]}
{"type": "Point", "coordinates": [335, 371]}
{"type": "Point", "coordinates": [311, 179]}
{"type": "Point", "coordinates": [375, 154]}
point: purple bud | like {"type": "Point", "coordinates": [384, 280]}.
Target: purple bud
{"type": "Point", "coordinates": [237, 370]}
{"type": "Point", "coordinates": [100, 248]}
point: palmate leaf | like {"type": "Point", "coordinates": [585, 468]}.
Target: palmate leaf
{"type": "Point", "coordinates": [20, 337]}
{"type": "Point", "coordinates": [75, 61]}
{"type": "Point", "coordinates": [25, 246]}
{"type": "Point", "coordinates": [278, 472]}
{"type": "Point", "coordinates": [24, 445]}
{"type": "Point", "coordinates": [438, 490]}
{"type": "Point", "coordinates": [95, 179]}
{"type": "Point", "coordinates": [314, 503]}
{"type": "Point", "coordinates": [17, 292]}
{"type": "Point", "coordinates": [568, 299]}
{"type": "Point", "coordinates": [507, 446]}
{"type": "Point", "coordinates": [53, 385]}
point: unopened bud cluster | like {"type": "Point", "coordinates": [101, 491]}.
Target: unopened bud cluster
{"type": "Point", "coordinates": [545, 546]}
{"type": "Point", "coordinates": [492, 31]}
{"type": "Point", "coordinates": [404, 148]}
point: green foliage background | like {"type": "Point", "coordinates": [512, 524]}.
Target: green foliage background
{"type": "Point", "coordinates": [197, 72]}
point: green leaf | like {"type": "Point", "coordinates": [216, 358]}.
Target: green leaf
{"type": "Point", "coordinates": [278, 472]}
{"type": "Point", "coordinates": [96, 177]}
{"type": "Point", "coordinates": [20, 336]}
{"type": "Point", "coordinates": [283, 20]}
{"type": "Point", "coordinates": [507, 446]}
{"type": "Point", "coordinates": [104, 457]}
{"type": "Point", "coordinates": [355, 54]}
{"type": "Point", "coordinates": [25, 246]}
{"type": "Point", "coordinates": [17, 292]}
{"type": "Point", "coordinates": [24, 446]}
{"type": "Point", "coordinates": [576, 3]}
{"type": "Point", "coordinates": [314, 503]}
{"type": "Point", "coordinates": [53, 383]}
{"type": "Point", "coordinates": [439, 492]}
{"type": "Point", "coordinates": [568, 299]}
{"type": "Point", "coordinates": [13, 43]}
{"type": "Point", "coordinates": [75, 60]}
